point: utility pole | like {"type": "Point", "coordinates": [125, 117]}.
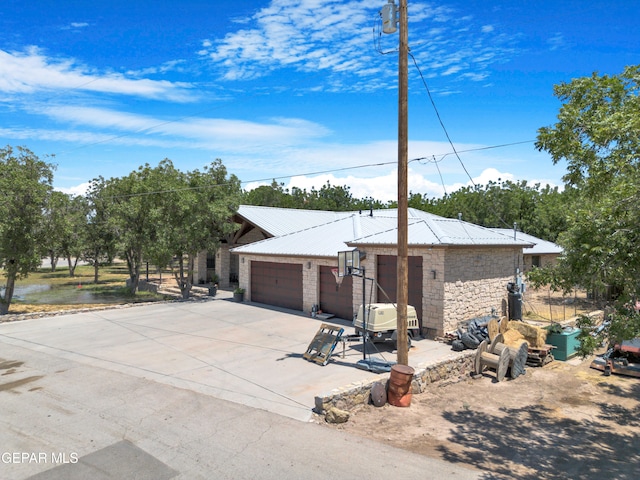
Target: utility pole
{"type": "Point", "coordinates": [402, 288]}
{"type": "Point", "coordinates": [403, 202]}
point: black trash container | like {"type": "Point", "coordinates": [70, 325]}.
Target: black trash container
{"type": "Point", "coordinates": [515, 301]}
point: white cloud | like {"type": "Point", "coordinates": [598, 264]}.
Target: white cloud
{"type": "Point", "coordinates": [556, 41]}
{"type": "Point", "coordinates": [81, 189]}
{"type": "Point", "coordinates": [334, 39]}
{"type": "Point", "coordinates": [384, 187]}
{"type": "Point", "coordinates": [31, 72]}
{"type": "Point", "coordinates": [231, 136]}
{"type": "Point", "coordinates": [170, 66]}
{"type": "Point", "coordinates": [492, 175]}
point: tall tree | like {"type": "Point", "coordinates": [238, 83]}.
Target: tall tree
{"type": "Point", "coordinates": [53, 235]}
{"type": "Point", "coordinates": [99, 235]}
{"type": "Point", "coordinates": [274, 195]}
{"type": "Point", "coordinates": [538, 211]}
{"type": "Point", "coordinates": [598, 135]}
{"type": "Point", "coordinates": [129, 203]}
{"type": "Point", "coordinates": [329, 197]}
{"type": "Point", "coordinates": [64, 221]}
{"type": "Point", "coordinates": [25, 184]}
{"type": "Point", "coordinates": [193, 213]}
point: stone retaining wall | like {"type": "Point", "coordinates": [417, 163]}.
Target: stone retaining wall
{"type": "Point", "coordinates": [356, 394]}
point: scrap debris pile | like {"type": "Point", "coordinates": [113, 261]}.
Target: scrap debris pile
{"type": "Point", "coordinates": [503, 346]}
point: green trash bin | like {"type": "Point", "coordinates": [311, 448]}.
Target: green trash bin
{"type": "Point", "coordinates": [566, 343]}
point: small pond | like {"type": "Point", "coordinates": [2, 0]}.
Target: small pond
{"type": "Point", "coordinates": [58, 295]}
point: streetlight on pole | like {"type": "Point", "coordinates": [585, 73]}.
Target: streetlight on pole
{"type": "Point", "coordinates": [389, 21]}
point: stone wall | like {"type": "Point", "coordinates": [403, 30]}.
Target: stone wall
{"type": "Point", "coordinates": [252, 236]}
{"type": "Point", "coordinates": [475, 283]}
{"type": "Point", "coordinates": [546, 260]}
{"type": "Point", "coordinates": [200, 268]}
{"type": "Point", "coordinates": [357, 394]}
{"type": "Point", "coordinates": [223, 265]}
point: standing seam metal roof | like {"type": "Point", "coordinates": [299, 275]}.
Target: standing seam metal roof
{"type": "Point", "coordinates": [345, 230]}
{"type": "Point", "coordinates": [539, 246]}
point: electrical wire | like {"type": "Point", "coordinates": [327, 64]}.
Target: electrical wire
{"type": "Point", "coordinates": [429, 159]}
{"type": "Point", "coordinates": [433, 103]}
{"type": "Point", "coordinates": [455, 152]}
{"type": "Point", "coordinates": [377, 35]}
{"type": "Point", "coordinates": [444, 188]}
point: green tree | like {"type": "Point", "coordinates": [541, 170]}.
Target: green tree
{"type": "Point", "coordinates": [64, 220]}
{"type": "Point", "coordinates": [274, 195]}
{"type": "Point", "coordinates": [129, 203]}
{"type": "Point", "coordinates": [538, 211]}
{"type": "Point", "coordinates": [328, 197]}
{"type": "Point", "coordinates": [99, 235]}
{"type": "Point", "coordinates": [192, 214]}
{"type": "Point", "coordinates": [51, 225]}
{"type": "Point", "coordinates": [25, 185]}
{"type": "Point", "coordinates": [598, 135]}
{"type": "Point", "coordinates": [75, 224]}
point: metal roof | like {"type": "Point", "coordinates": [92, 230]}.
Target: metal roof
{"type": "Point", "coordinates": [345, 230]}
{"type": "Point", "coordinates": [540, 247]}
{"type": "Point", "coordinates": [324, 240]}
{"type": "Point", "coordinates": [281, 221]}
{"type": "Point", "coordinates": [428, 229]}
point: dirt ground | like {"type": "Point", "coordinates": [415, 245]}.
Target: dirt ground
{"type": "Point", "coordinates": [546, 306]}
{"type": "Point", "coordinates": [561, 421]}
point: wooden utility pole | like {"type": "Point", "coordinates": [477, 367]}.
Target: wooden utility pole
{"type": "Point", "coordinates": [403, 202]}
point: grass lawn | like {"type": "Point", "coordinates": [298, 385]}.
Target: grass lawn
{"type": "Point", "coordinates": [45, 291]}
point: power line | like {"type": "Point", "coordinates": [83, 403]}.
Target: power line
{"type": "Point", "coordinates": [448, 137]}
{"type": "Point", "coordinates": [321, 172]}
{"type": "Point", "coordinates": [440, 118]}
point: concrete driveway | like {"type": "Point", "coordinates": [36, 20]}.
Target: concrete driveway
{"type": "Point", "coordinates": [141, 392]}
{"type": "Point", "coordinates": [240, 352]}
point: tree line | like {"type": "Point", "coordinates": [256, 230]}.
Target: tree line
{"type": "Point", "coordinates": [156, 214]}
{"type": "Point", "coordinates": [166, 216]}
{"type": "Point", "coordinates": [536, 210]}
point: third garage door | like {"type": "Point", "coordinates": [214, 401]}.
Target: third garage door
{"type": "Point", "coordinates": [387, 279]}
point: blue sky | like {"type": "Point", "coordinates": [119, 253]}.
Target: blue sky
{"type": "Point", "coordinates": [288, 88]}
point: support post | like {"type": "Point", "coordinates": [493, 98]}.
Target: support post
{"type": "Point", "coordinates": [365, 318]}
{"type": "Point", "coordinates": [403, 262]}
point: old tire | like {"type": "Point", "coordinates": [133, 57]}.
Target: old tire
{"type": "Point", "coordinates": [470, 340]}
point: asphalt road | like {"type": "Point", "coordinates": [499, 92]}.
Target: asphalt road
{"type": "Point", "coordinates": [81, 396]}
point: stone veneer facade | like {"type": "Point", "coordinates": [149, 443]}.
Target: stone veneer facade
{"type": "Point", "coordinates": [469, 282]}
{"type": "Point", "coordinates": [224, 267]}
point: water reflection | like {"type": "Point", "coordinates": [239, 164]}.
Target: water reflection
{"type": "Point", "coordinates": [57, 295]}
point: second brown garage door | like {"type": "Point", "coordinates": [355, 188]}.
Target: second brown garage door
{"type": "Point", "coordinates": [334, 299]}
{"type": "Point", "coordinates": [278, 284]}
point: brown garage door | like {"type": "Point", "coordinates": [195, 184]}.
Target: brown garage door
{"type": "Point", "coordinates": [278, 284]}
{"type": "Point", "coordinates": [334, 299]}
{"type": "Point", "coordinates": [388, 280]}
